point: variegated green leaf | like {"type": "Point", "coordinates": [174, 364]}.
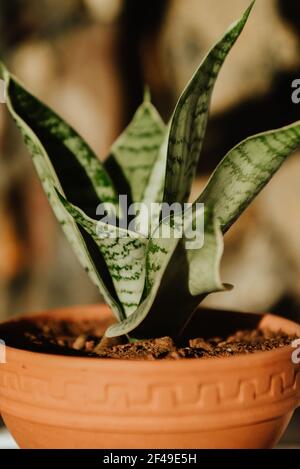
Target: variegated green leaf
{"type": "Point", "coordinates": [42, 146]}
{"type": "Point", "coordinates": [154, 190]}
{"type": "Point", "coordinates": [190, 118]}
{"type": "Point", "coordinates": [136, 150]}
{"type": "Point", "coordinates": [123, 252]}
{"type": "Point", "coordinates": [152, 198]}
{"type": "Point", "coordinates": [82, 176]}
{"type": "Point", "coordinates": [246, 169]}
{"type": "Point", "coordinates": [177, 280]}
{"type": "Point", "coordinates": [204, 263]}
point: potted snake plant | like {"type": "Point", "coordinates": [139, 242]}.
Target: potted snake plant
{"type": "Point", "coordinates": [151, 369]}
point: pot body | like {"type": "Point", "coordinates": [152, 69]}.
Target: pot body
{"type": "Point", "coordinates": [51, 401]}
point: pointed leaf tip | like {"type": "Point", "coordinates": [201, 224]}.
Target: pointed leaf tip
{"type": "Point", "coordinates": [189, 121]}
{"type": "Point", "coordinates": [246, 169]}
{"type": "Point", "coordinates": [147, 94]}
{"type": "Point", "coordinates": [249, 9]}
{"type": "Point", "coordinates": [244, 18]}
{"type": "Point", "coordinates": [134, 153]}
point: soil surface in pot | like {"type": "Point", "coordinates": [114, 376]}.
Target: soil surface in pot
{"type": "Point", "coordinates": [84, 339]}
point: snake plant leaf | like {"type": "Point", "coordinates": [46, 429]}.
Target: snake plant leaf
{"type": "Point", "coordinates": [153, 194]}
{"type": "Point", "coordinates": [123, 252]}
{"type": "Point", "coordinates": [246, 169]}
{"type": "Point", "coordinates": [44, 144]}
{"type": "Point", "coordinates": [155, 188]}
{"type": "Point", "coordinates": [135, 151]}
{"type": "Point", "coordinates": [189, 121]}
{"type": "Point", "coordinates": [162, 313]}
{"type": "Point", "coordinates": [82, 176]}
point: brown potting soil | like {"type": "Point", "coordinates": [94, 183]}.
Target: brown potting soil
{"type": "Point", "coordinates": [84, 339]}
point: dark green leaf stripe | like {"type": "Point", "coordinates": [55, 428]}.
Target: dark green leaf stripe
{"type": "Point", "coordinates": [124, 255]}
{"type": "Point", "coordinates": [245, 171]}
{"type": "Point", "coordinates": [190, 118]}
{"type": "Point", "coordinates": [136, 150]}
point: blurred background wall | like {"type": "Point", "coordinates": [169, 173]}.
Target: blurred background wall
{"type": "Point", "coordinates": [89, 60]}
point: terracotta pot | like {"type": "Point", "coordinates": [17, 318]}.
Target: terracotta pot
{"type": "Point", "coordinates": [51, 401]}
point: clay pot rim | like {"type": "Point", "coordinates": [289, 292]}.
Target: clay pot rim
{"type": "Point", "coordinates": [236, 361]}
